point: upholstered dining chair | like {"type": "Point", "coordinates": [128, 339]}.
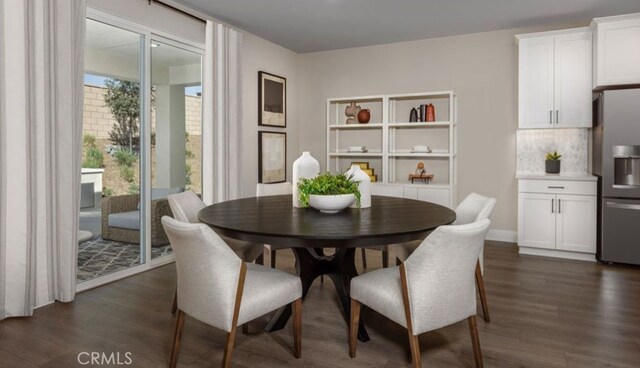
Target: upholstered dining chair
{"type": "Point", "coordinates": [263, 190]}
{"type": "Point", "coordinates": [185, 207]}
{"type": "Point", "coordinates": [216, 287]}
{"type": "Point", "coordinates": [473, 208]}
{"type": "Point", "coordinates": [433, 288]}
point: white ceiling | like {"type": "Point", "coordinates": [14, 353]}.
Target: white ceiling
{"type": "Point", "coordinates": [109, 40]}
{"type": "Point", "coordinates": [317, 25]}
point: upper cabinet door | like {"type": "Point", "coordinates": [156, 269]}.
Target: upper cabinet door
{"type": "Point", "coordinates": [572, 93]}
{"type": "Point", "coordinates": [535, 82]}
{"type": "Point", "coordinates": [617, 57]}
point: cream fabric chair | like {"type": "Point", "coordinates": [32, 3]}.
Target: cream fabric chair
{"type": "Point", "coordinates": [433, 288]}
{"type": "Point", "coordinates": [263, 190]}
{"type": "Point", "coordinates": [216, 287]}
{"type": "Point", "coordinates": [473, 208]}
{"type": "Point", "coordinates": [185, 207]}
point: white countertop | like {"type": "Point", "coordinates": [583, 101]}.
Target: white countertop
{"type": "Point", "coordinates": [543, 176]}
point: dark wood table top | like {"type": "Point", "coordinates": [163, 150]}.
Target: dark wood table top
{"type": "Point", "coordinates": [273, 220]}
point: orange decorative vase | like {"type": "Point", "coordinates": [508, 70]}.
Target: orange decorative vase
{"type": "Point", "coordinates": [431, 113]}
{"type": "Point", "coordinates": [364, 115]}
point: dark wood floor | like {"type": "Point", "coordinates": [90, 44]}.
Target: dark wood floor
{"type": "Point", "coordinates": [545, 313]}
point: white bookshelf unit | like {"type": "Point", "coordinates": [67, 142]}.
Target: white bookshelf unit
{"type": "Point", "coordinates": [389, 138]}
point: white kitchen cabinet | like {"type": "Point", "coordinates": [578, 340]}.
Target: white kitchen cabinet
{"type": "Point", "coordinates": [536, 222]}
{"type": "Point", "coordinates": [557, 218]}
{"type": "Point", "coordinates": [575, 219]}
{"type": "Point", "coordinates": [554, 79]}
{"type": "Point", "coordinates": [616, 56]}
{"type": "Point", "coordinates": [535, 88]}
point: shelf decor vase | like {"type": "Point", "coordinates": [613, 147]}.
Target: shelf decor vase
{"type": "Point", "coordinates": [364, 116]}
{"type": "Point", "coordinates": [305, 167]}
{"type": "Point", "coordinates": [430, 113]}
{"type": "Point", "coordinates": [552, 166]}
{"type": "Point", "coordinates": [364, 185]}
{"type": "Point", "coordinates": [352, 112]}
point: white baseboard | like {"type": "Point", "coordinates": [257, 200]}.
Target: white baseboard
{"type": "Point", "coordinates": [508, 236]}
{"type": "Point", "coordinates": [557, 254]}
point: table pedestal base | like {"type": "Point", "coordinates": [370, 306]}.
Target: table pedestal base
{"type": "Point", "coordinates": [340, 268]}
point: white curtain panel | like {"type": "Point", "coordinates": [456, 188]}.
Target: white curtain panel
{"type": "Point", "coordinates": [41, 71]}
{"type": "Point", "coordinates": [222, 115]}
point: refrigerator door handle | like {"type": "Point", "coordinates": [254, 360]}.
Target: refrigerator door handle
{"type": "Point", "coordinates": [624, 206]}
{"type": "Point", "coordinates": [559, 205]}
{"type": "Point", "coordinates": [550, 117]}
{"type": "Point", "coordinates": [552, 205]}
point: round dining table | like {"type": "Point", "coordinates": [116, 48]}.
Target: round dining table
{"type": "Point", "coordinates": [273, 220]}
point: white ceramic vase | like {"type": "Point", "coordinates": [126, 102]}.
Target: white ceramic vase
{"type": "Point", "coordinates": [364, 184]}
{"type": "Point", "coordinates": [305, 167]}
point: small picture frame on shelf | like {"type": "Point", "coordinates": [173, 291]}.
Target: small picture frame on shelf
{"type": "Point", "coordinates": [272, 157]}
{"type": "Point", "coordinates": [272, 100]}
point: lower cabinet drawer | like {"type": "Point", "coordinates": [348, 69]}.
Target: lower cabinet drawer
{"type": "Point", "coordinates": [557, 187]}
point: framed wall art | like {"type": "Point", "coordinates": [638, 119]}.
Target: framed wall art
{"type": "Point", "coordinates": [272, 100]}
{"type": "Point", "coordinates": [272, 157]}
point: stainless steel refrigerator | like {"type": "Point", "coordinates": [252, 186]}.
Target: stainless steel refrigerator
{"type": "Point", "coordinates": [616, 162]}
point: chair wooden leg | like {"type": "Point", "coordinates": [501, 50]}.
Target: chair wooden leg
{"type": "Point", "coordinates": [231, 336]}
{"type": "Point", "coordinates": [385, 259]}
{"type": "Point", "coordinates": [413, 339]}
{"type": "Point", "coordinates": [475, 341]}
{"type": "Point", "coordinates": [174, 308]}
{"type": "Point", "coordinates": [297, 328]}
{"type": "Point", "coordinates": [260, 259]}
{"type": "Point", "coordinates": [228, 347]}
{"type": "Point", "coordinates": [364, 258]}
{"type": "Point", "coordinates": [353, 327]}
{"type": "Point", "coordinates": [272, 252]}
{"type": "Point", "coordinates": [416, 361]}
{"type": "Point", "coordinates": [177, 336]}
{"type": "Point", "coordinates": [483, 293]}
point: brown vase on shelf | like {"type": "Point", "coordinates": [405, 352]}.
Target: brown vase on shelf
{"type": "Point", "coordinates": [364, 115]}
{"type": "Point", "coordinates": [431, 113]}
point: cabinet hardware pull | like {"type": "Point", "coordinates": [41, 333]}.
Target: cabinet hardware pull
{"type": "Point", "coordinates": [550, 117]}
{"type": "Point", "coordinates": [559, 205]}
{"type": "Point", "coordinates": [551, 205]}
{"type": "Point", "coordinates": [557, 119]}
{"type": "Point", "coordinates": [624, 206]}
{"type": "Point", "coordinates": [555, 187]}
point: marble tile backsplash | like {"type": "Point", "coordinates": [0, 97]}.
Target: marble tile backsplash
{"type": "Point", "coordinates": [572, 144]}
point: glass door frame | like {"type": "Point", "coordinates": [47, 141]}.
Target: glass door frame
{"type": "Point", "coordinates": [148, 35]}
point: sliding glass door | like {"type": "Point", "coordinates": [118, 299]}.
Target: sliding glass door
{"type": "Point", "coordinates": [142, 129]}
{"type": "Point", "coordinates": [176, 124]}
{"type": "Point", "coordinates": [110, 221]}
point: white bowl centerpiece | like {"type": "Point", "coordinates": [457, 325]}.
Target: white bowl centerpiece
{"type": "Point", "coordinates": [329, 193]}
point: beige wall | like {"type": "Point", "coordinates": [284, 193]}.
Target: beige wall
{"type": "Point", "coordinates": [261, 55]}
{"type": "Point", "coordinates": [482, 70]}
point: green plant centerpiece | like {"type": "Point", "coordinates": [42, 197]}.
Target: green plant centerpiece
{"type": "Point", "coordinates": [552, 162]}
{"type": "Point", "coordinates": [338, 187]}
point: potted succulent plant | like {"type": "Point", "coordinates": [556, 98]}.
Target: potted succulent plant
{"type": "Point", "coordinates": [329, 193]}
{"type": "Point", "coordinates": [552, 163]}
